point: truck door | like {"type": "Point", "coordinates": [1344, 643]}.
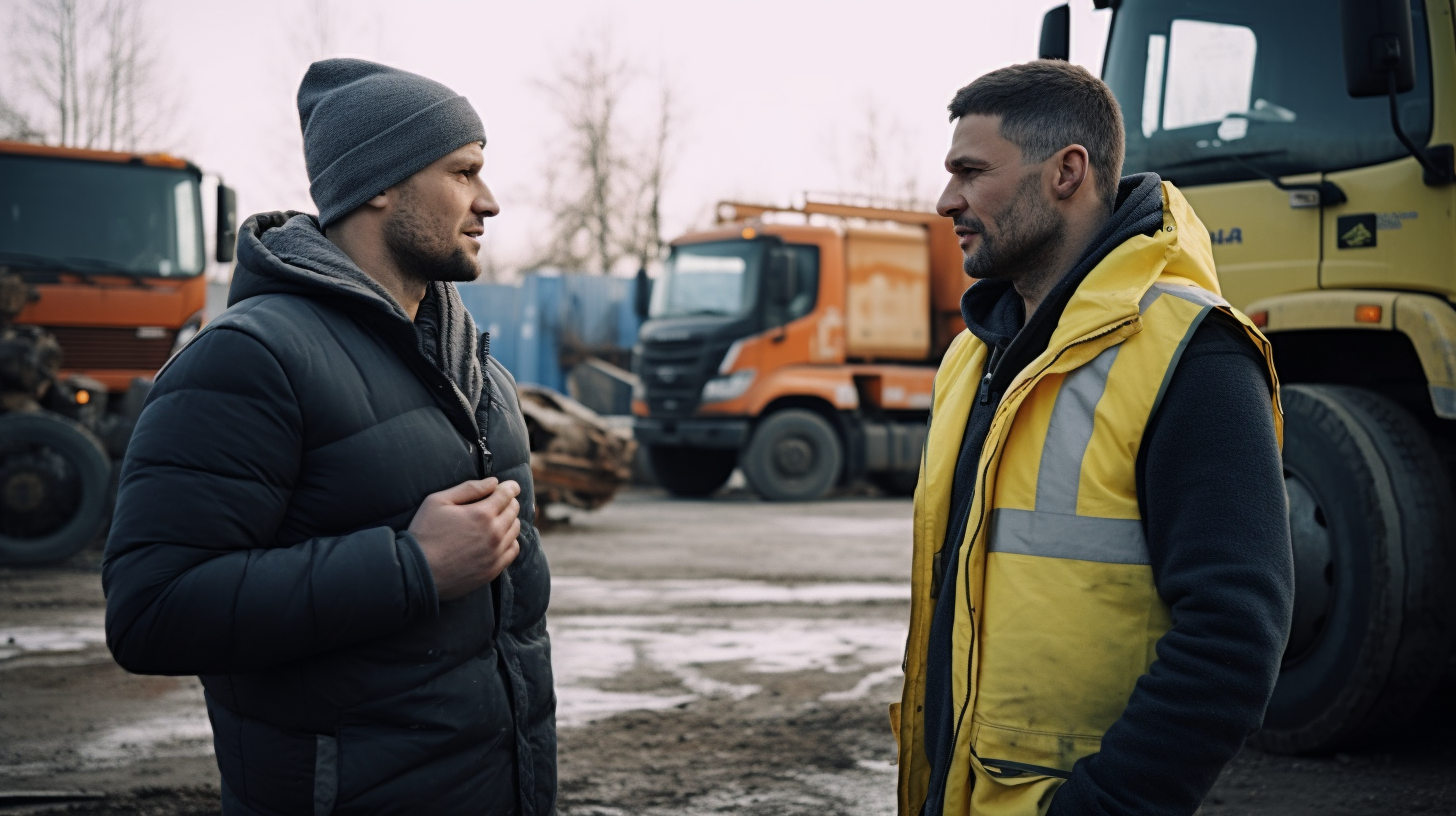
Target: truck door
{"type": "Point", "coordinates": [1206, 104]}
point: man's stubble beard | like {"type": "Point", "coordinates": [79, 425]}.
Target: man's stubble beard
{"type": "Point", "coordinates": [1026, 242]}
{"type": "Point", "coordinates": [419, 254]}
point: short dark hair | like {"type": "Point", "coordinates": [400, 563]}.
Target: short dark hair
{"type": "Point", "coordinates": [1046, 105]}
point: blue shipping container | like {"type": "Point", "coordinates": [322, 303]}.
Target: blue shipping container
{"type": "Point", "coordinates": [545, 324]}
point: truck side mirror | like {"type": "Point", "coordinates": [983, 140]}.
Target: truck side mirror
{"type": "Point", "coordinates": [642, 294]}
{"type": "Point", "coordinates": [227, 223]}
{"type": "Point", "coordinates": [1378, 40]}
{"type": "Point", "coordinates": [1380, 60]}
{"type": "Point", "coordinates": [1056, 34]}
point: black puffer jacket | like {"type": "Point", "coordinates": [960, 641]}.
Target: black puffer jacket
{"type": "Point", "coordinates": [259, 541]}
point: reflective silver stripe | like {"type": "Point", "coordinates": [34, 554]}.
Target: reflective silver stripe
{"type": "Point", "coordinates": [1192, 294]}
{"type": "Point", "coordinates": [1056, 535]}
{"type": "Point", "coordinates": [1069, 432]}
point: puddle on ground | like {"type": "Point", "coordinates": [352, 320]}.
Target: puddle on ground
{"type": "Point", "coordinates": [590, 649]}
{"type": "Point", "coordinates": [841, 527]}
{"type": "Point", "coordinates": [172, 736]}
{"type": "Point", "coordinates": [595, 593]}
{"type": "Point", "coordinates": [24, 640]}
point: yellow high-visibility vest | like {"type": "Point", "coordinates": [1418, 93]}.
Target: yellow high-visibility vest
{"type": "Point", "coordinates": [1056, 612]}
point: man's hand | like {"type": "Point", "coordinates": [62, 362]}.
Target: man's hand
{"type": "Point", "coordinates": [468, 534]}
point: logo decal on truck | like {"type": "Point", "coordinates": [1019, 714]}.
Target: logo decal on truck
{"type": "Point", "coordinates": [1355, 231]}
{"type": "Point", "coordinates": [1232, 236]}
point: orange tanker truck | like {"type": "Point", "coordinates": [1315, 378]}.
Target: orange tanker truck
{"type": "Point", "coordinates": [799, 344]}
{"type": "Point", "coordinates": [102, 257]}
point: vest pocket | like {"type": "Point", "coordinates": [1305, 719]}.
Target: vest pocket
{"type": "Point", "coordinates": [325, 775]}
{"type": "Point", "coordinates": [1016, 773]}
{"type": "Point", "coordinates": [1011, 753]}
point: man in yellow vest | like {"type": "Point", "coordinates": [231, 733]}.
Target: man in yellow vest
{"type": "Point", "coordinates": [1103, 577]}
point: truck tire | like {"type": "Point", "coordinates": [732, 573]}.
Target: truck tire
{"type": "Point", "coordinates": [1372, 525]}
{"type": "Point", "coordinates": [794, 455]}
{"type": "Point", "coordinates": [691, 472]}
{"type": "Point", "coordinates": [55, 487]}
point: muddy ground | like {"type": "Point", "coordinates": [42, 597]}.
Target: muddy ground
{"type": "Point", "coordinates": [726, 656]}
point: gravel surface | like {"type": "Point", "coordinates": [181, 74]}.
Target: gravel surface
{"type": "Point", "coordinates": [723, 656]}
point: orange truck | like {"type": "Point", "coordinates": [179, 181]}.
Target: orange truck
{"type": "Point", "coordinates": [798, 344]}
{"type": "Point", "coordinates": [111, 248]}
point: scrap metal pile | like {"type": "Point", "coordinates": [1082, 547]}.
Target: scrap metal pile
{"type": "Point", "coordinates": [576, 458]}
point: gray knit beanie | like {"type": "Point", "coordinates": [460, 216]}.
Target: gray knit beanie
{"type": "Point", "coordinates": [367, 127]}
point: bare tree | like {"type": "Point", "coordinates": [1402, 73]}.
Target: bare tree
{"type": "Point", "coordinates": [605, 197]}
{"type": "Point", "coordinates": [14, 124]}
{"type": "Point", "coordinates": [653, 169]}
{"type": "Point", "coordinates": [89, 69]}
{"type": "Point", "coordinates": [52, 61]}
{"type": "Point", "coordinates": [883, 167]}
{"type": "Point", "coordinates": [587, 93]}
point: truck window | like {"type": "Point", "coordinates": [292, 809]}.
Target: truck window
{"type": "Point", "coordinates": [715, 278]}
{"type": "Point", "coordinates": [1215, 91]}
{"type": "Point", "coordinates": [100, 217]}
{"type": "Point", "coordinates": [806, 287]}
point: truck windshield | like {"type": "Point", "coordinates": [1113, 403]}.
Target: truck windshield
{"type": "Point", "coordinates": [99, 217]}
{"type": "Point", "coordinates": [716, 278]}
{"type": "Point", "coordinates": [1218, 90]}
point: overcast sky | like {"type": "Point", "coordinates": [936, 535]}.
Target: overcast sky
{"type": "Point", "coordinates": [773, 93]}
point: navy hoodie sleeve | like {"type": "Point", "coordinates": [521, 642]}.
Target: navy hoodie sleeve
{"type": "Point", "coordinates": [195, 581]}
{"type": "Point", "coordinates": [1212, 491]}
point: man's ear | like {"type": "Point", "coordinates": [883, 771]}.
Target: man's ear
{"type": "Point", "coordinates": [380, 201]}
{"type": "Point", "coordinates": [1072, 167]}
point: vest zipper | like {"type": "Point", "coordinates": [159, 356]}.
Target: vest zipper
{"type": "Point", "coordinates": [984, 397]}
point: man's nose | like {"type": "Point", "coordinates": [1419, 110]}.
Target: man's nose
{"type": "Point", "coordinates": [950, 204]}
{"type": "Point", "coordinates": [485, 204]}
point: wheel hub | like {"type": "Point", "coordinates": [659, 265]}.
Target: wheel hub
{"type": "Point", "coordinates": [793, 456]}
{"type": "Point", "coordinates": [39, 491]}
{"type": "Point", "coordinates": [1314, 569]}
{"type": "Point", "coordinates": [24, 492]}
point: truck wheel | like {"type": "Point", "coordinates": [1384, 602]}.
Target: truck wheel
{"type": "Point", "coordinates": [55, 487]}
{"type": "Point", "coordinates": [794, 455]}
{"type": "Point", "coordinates": [1371, 522]}
{"type": "Point", "coordinates": [691, 472]}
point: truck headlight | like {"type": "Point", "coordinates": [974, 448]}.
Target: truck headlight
{"type": "Point", "coordinates": [188, 331]}
{"type": "Point", "coordinates": [720, 389]}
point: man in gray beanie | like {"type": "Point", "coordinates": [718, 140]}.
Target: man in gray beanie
{"type": "Point", "coordinates": [326, 510]}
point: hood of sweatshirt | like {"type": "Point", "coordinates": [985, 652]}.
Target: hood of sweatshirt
{"type": "Point", "coordinates": [288, 253]}
{"type": "Point", "coordinates": [994, 312]}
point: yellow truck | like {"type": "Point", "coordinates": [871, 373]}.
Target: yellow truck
{"type": "Point", "coordinates": [1314, 139]}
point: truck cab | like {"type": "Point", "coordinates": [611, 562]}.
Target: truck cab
{"type": "Point", "coordinates": [102, 254]}
{"type": "Point", "coordinates": [1314, 140]}
{"type": "Point", "coordinates": [798, 344]}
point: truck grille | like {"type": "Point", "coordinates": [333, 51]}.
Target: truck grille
{"type": "Point", "coordinates": [87, 348]}
{"type": "Point", "coordinates": [673, 374]}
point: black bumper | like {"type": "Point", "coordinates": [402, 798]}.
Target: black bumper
{"type": "Point", "coordinates": [691, 433]}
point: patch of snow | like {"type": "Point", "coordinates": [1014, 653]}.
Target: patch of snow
{"type": "Point", "coordinates": [862, 688]}
{"type": "Point", "coordinates": [19, 640]}
{"type": "Point", "coordinates": [596, 593]}
{"type": "Point", "coordinates": [170, 736]}
{"type": "Point", "coordinates": [588, 649]}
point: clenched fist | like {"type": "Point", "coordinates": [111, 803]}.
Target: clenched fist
{"type": "Point", "coordinates": [468, 534]}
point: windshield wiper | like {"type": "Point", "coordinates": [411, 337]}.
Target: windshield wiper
{"type": "Point", "coordinates": [1241, 158]}
{"type": "Point", "coordinates": [84, 268]}
{"type": "Point", "coordinates": [1327, 193]}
